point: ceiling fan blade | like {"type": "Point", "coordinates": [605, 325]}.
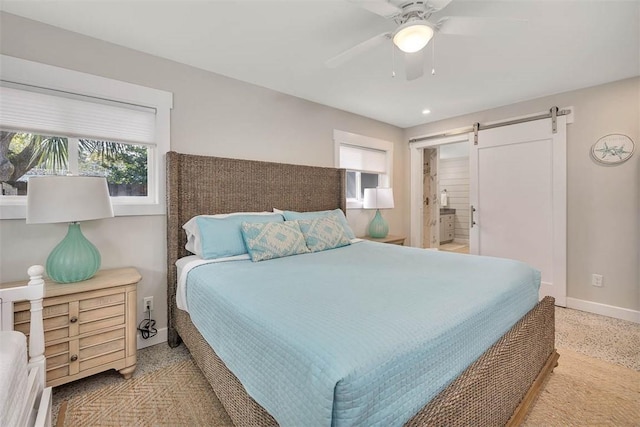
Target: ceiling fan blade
{"type": "Point", "coordinates": [414, 64]}
{"type": "Point", "coordinates": [358, 49]}
{"type": "Point", "coordinates": [437, 5]}
{"type": "Point", "coordinates": [476, 26]}
{"type": "Point", "coordinates": [380, 7]}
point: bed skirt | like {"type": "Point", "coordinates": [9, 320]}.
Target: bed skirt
{"type": "Point", "coordinates": [493, 391]}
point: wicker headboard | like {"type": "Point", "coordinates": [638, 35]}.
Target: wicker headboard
{"type": "Point", "coordinates": [198, 185]}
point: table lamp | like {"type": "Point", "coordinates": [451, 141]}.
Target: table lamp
{"type": "Point", "coordinates": [53, 199]}
{"type": "Point", "coordinates": [378, 198]}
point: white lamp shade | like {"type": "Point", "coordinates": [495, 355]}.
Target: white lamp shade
{"type": "Point", "coordinates": [413, 36]}
{"type": "Point", "coordinates": [378, 198]}
{"type": "Point", "coordinates": [53, 199]}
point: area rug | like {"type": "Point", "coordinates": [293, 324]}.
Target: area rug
{"type": "Point", "coordinates": [582, 391]}
{"type": "Point", "coordinates": [177, 395]}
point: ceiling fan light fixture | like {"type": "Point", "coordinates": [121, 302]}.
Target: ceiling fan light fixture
{"type": "Point", "coordinates": [413, 36]}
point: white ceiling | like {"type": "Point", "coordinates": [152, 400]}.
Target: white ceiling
{"type": "Point", "coordinates": [283, 44]}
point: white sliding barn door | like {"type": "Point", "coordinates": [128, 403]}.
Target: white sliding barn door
{"type": "Point", "coordinates": [518, 190]}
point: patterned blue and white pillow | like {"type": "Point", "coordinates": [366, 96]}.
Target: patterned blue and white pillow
{"type": "Point", "coordinates": [336, 213]}
{"type": "Point", "coordinates": [323, 233]}
{"type": "Point", "coordinates": [268, 240]}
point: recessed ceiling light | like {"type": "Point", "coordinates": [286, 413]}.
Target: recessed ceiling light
{"type": "Point", "coordinates": [425, 111]}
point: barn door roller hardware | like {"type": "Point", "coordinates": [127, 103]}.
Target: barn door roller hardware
{"type": "Point", "coordinates": [553, 114]}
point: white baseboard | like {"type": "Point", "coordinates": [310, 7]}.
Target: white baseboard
{"type": "Point", "coordinates": [604, 309]}
{"type": "Point", "coordinates": [160, 337]}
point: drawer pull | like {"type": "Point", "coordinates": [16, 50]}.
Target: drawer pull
{"type": "Point", "coordinates": [74, 319]}
{"type": "Point", "coordinates": [74, 357]}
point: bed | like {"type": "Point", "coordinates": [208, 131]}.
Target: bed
{"type": "Point", "coordinates": [495, 389]}
{"type": "Point", "coordinates": [24, 399]}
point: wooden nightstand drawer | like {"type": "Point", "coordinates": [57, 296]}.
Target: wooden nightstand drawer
{"type": "Point", "coordinates": [103, 359]}
{"type": "Point", "coordinates": [100, 349]}
{"type": "Point", "coordinates": [61, 359]}
{"type": "Point", "coordinates": [55, 349]}
{"type": "Point", "coordinates": [57, 373]}
{"type": "Point", "coordinates": [56, 335]}
{"type": "Point", "coordinates": [22, 313]}
{"type": "Point", "coordinates": [107, 300]}
{"type": "Point", "coordinates": [96, 315]}
{"type": "Point", "coordinates": [56, 322]}
{"type": "Point", "coordinates": [103, 337]}
{"type": "Point", "coordinates": [55, 310]}
{"type": "Point", "coordinates": [89, 326]}
{"type": "Point", "coordinates": [101, 324]}
{"type": "Point", "coordinates": [101, 313]}
{"type": "Point", "coordinates": [54, 328]}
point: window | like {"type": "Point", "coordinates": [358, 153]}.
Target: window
{"type": "Point", "coordinates": [368, 162]}
{"type": "Point", "coordinates": [358, 181]}
{"type": "Point", "coordinates": [57, 121]}
{"type": "Point", "coordinates": [125, 166]}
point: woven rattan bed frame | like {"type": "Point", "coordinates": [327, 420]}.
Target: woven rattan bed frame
{"type": "Point", "coordinates": [497, 389]}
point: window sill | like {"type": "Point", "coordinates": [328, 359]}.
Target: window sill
{"type": "Point", "coordinates": [354, 204]}
{"type": "Point", "coordinates": [19, 210]}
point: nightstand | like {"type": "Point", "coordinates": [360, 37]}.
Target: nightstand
{"type": "Point", "coordinates": [89, 326]}
{"type": "Point", "coordinates": [394, 240]}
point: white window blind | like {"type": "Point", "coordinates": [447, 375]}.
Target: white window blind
{"type": "Point", "coordinates": [48, 114]}
{"type": "Point", "coordinates": [363, 159]}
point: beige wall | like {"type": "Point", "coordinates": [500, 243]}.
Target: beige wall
{"type": "Point", "coordinates": [212, 115]}
{"type": "Point", "coordinates": [603, 223]}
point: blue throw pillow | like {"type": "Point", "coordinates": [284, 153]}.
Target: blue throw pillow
{"type": "Point", "coordinates": [273, 239]}
{"type": "Point", "coordinates": [323, 233]}
{"type": "Point", "coordinates": [222, 237]}
{"type": "Point", "coordinates": [336, 213]}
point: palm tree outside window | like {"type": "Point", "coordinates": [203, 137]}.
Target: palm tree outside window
{"type": "Point", "coordinates": [24, 154]}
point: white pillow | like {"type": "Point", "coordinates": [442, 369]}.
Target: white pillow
{"type": "Point", "coordinates": [194, 241]}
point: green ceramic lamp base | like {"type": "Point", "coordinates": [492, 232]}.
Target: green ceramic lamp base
{"type": "Point", "coordinates": [74, 259]}
{"type": "Point", "coordinates": [378, 228]}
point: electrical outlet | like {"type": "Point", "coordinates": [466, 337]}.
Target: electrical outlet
{"type": "Point", "coordinates": [148, 304]}
{"type": "Point", "coordinates": [596, 280]}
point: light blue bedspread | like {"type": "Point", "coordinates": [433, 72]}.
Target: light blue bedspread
{"type": "Point", "coordinates": [361, 335]}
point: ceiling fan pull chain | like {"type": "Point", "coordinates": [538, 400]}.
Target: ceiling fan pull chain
{"type": "Point", "coordinates": [433, 55]}
{"type": "Point", "coordinates": [393, 60]}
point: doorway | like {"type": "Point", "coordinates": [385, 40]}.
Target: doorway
{"type": "Point", "coordinates": [453, 195]}
{"type": "Point", "coordinates": [430, 214]}
{"type": "Point", "coordinates": [440, 194]}
{"type": "Point", "coordinates": [445, 191]}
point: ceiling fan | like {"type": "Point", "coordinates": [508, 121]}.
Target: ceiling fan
{"type": "Point", "coordinates": [414, 30]}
